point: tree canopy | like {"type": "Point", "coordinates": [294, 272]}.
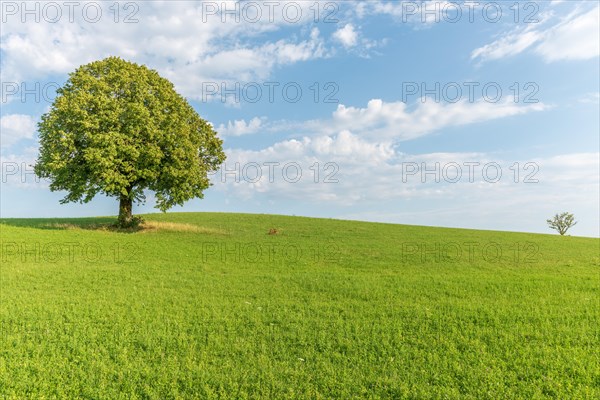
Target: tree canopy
{"type": "Point", "coordinates": [118, 128]}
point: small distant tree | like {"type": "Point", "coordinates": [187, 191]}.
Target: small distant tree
{"type": "Point", "coordinates": [118, 128]}
{"type": "Point", "coordinates": [562, 222]}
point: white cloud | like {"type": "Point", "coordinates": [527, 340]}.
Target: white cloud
{"type": "Point", "coordinates": [347, 36]}
{"type": "Point", "coordinates": [175, 38]}
{"type": "Point", "coordinates": [342, 146]}
{"type": "Point", "coordinates": [390, 121]}
{"type": "Point", "coordinates": [16, 127]}
{"type": "Point", "coordinates": [396, 121]}
{"type": "Point", "coordinates": [241, 127]}
{"type": "Point", "coordinates": [509, 45]}
{"type": "Point", "coordinates": [280, 162]}
{"type": "Point", "coordinates": [575, 37]}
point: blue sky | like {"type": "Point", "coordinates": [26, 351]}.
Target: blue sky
{"type": "Point", "coordinates": [389, 89]}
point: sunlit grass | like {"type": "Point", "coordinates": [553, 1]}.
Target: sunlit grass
{"type": "Point", "coordinates": [260, 306]}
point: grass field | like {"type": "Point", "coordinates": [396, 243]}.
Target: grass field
{"type": "Point", "coordinates": [205, 305]}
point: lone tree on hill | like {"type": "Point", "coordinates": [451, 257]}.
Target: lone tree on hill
{"type": "Point", "coordinates": [118, 128]}
{"type": "Point", "coordinates": [562, 222]}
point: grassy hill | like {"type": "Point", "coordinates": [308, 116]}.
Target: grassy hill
{"type": "Point", "coordinates": [211, 305]}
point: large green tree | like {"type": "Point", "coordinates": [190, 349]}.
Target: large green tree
{"type": "Point", "coordinates": [118, 128]}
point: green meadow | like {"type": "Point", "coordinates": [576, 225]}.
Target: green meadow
{"type": "Point", "coordinates": [212, 305]}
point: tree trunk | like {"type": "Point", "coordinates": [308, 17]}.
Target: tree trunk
{"type": "Point", "coordinates": [125, 208]}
